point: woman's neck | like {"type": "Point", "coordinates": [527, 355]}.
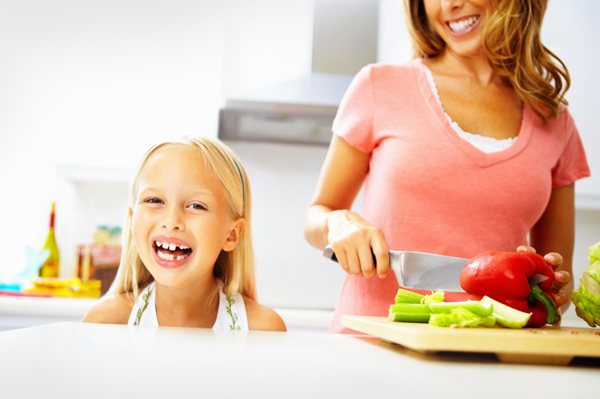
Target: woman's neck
{"type": "Point", "coordinates": [476, 67]}
{"type": "Point", "coordinates": [193, 305]}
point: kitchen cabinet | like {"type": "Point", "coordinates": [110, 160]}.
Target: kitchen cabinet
{"type": "Point", "coordinates": [73, 360]}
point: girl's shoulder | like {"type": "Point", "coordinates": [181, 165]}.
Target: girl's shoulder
{"type": "Point", "coordinates": [262, 318]}
{"type": "Point", "coordinates": [114, 309]}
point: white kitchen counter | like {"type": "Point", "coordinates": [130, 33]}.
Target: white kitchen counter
{"type": "Point", "coordinates": [74, 360]}
{"type": "Point", "coordinates": [19, 312]}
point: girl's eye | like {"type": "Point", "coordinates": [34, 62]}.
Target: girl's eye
{"type": "Point", "coordinates": [197, 207]}
{"type": "Point", "coordinates": [153, 201]}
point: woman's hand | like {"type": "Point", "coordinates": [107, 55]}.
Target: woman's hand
{"type": "Point", "coordinates": [352, 239]}
{"type": "Point", "coordinates": [561, 278]}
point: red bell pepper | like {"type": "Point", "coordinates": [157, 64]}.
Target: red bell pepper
{"type": "Point", "coordinates": [505, 277]}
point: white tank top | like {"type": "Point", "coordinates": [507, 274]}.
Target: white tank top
{"type": "Point", "coordinates": [231, 314]}
{"type": "Point", "coordinates": [482, 143]}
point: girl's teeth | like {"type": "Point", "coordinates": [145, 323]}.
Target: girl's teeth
{"type": "Point", "coordinates": [165, 245]}
{"type": "Point", "coordinates": [172, 247]}
{"type": "Point", "coordinates": [165, 256]}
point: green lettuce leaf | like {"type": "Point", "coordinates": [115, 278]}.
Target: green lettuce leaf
{"type": "Point", "coordinates": [587, 297]}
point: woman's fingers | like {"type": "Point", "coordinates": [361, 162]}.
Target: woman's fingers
{"type": "Point", "coordinates": [382, 255]}
{"type": "Point", "coordinates": [525, 248]}
{"type": "Point", "coordinates": [367, 266]}
{"type": "Point", "coordinates": [560, 299]}
{"type": "Point", "coordinates": [554, 259]}
{"type": "Point", "coordinates": [561, 279]}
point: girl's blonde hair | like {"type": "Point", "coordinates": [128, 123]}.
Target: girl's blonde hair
{"type": "Point", "coordinates": [235, 268]}
{"type": "Point", "coordinates": [512, 42]}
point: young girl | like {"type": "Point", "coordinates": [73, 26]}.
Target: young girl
{"type": "Point", "coordinates": [187, 254]}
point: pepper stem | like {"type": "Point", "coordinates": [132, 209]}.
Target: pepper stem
{"type": "Point", "coordinates": [537, 295]}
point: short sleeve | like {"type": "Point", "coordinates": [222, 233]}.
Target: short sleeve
{"type": "Point", "coordinates": [572, 164]}
{"type": "Point", "coordinates": [356, 113]}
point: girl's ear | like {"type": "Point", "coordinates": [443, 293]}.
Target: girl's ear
{"type": "Point", "coordinates": [234, 235]}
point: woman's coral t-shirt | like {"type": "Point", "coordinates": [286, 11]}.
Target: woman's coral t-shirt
{"type": "Point", "coordinates": [428, 190]}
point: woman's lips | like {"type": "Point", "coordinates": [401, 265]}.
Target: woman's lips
{"type": "Point", "coordinates": [461, 27]}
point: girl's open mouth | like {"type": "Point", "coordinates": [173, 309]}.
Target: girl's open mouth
{"type": "Point", "coordinates": [171, 254]}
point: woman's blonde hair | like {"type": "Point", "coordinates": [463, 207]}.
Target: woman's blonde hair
{"type": "Point", "coordinates": [235, 268]}
{"type": "Point", "coordinates": [512, 41]}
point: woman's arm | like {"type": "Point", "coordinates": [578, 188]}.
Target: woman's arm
{"type": "Point", "coordinates": [554, 234]}
{"type": "Point", "coordinates": [328, 219]}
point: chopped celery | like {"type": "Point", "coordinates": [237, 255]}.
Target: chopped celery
{"type": "Point", "coordinates": [507, 316]}
{"type": "Point", "coordinates": [434, 297]}
{"type": "Point", "coordinates": [409, 308]}
{"type": "Point", "coordinates": [409, 312]}
{"type": "Point", "coordinates": [476, 307]}
{"type": "Point", "coordinates": [406, 296]}
{"type": "Point", "coordinates": [411, 317]}
{"type": "Point", "coordinates": [461, 317]}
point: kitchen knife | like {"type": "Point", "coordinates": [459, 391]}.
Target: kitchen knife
{"type": "Point", "coordinates": [421, 270]}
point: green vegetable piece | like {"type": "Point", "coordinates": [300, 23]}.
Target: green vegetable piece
{"type": "Point", "coordinates": [507, 316]}
{"type": "Point", "coordinates": [410, 317]}
{"type": "Point", "coordinates": [587, 297]}
{"type": "Point", "coordinates": [409, 312]}
{"type": "Point", "coordinates": [537, 295]}
{"type": "Point", "coordinates": [434, 297]}
{"type": "Point", "coordinates": [409, 308]}
{"type": "Point", "coordinates": [461, 317]}
{"type": "Point", "coordinates": [475, 307]}
{"type": "Point", "coordinates": [406, 296]}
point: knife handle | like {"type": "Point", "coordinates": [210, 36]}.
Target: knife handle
{"type": "Point", "coordinates": [334, 258]}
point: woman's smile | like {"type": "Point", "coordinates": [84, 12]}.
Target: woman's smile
{"type": "Point", "coordinates": [462, 26]}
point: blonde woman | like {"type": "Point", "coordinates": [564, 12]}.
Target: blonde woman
{"type": "Point", "coordinates": [187, 254]}
{"type": "Point", "coordinates": [467, 148]}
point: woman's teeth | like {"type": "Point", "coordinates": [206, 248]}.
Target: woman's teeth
{"type": "Point", "coordinates": [462, 24]}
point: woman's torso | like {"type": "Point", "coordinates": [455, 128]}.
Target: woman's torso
{"type": "Point", "coordinates": [231, 313]}
{"type": "Point", "coordinates": [428, 189]}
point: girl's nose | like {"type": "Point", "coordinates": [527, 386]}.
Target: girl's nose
{"type": "Point", "coordinates": [172, 219]}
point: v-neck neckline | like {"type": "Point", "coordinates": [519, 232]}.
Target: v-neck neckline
{"type": "Point", "coordinates": [481, 158]}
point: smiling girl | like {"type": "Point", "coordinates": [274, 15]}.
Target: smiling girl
{"type": "Point", "coordinates": [187, 254]}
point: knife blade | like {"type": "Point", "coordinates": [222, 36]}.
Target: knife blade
{"type": "Point", "coordinates": [422, 270]}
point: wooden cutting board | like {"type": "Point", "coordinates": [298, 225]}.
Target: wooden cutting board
{"type": "Point", "coordinates": [547, 345]}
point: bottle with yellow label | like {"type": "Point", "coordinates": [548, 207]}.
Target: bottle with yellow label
{"type": "Point", "coordinates": [50, 266]}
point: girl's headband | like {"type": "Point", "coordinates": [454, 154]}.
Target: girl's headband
{"type": "Point", "coordinates": [242, 179]}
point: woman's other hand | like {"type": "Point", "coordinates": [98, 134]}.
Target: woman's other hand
{"type": "Point", "coordinates": [354, 242]}
{"type": "Point", "coordinates": [561, 278]}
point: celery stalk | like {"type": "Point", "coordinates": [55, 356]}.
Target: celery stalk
{"type": "Point", "coordinates": [507, 316]}
{"type": "Point", "coordinates": [476, 307]}
{"type": "Point", "coordinates": [409, 308]}
{"type": "Point", "coordinates": [406, 296]}
{"type": "Point", "coordinates": [409, 312]}
{"type": "Point", "coordinates": [410, 317]}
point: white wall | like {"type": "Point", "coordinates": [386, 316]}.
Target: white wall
{"type": "Point", "coordinates": [92, 83]}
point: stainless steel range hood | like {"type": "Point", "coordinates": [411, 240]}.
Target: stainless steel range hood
{"type": "Point", "coordinates": [302, 110]}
